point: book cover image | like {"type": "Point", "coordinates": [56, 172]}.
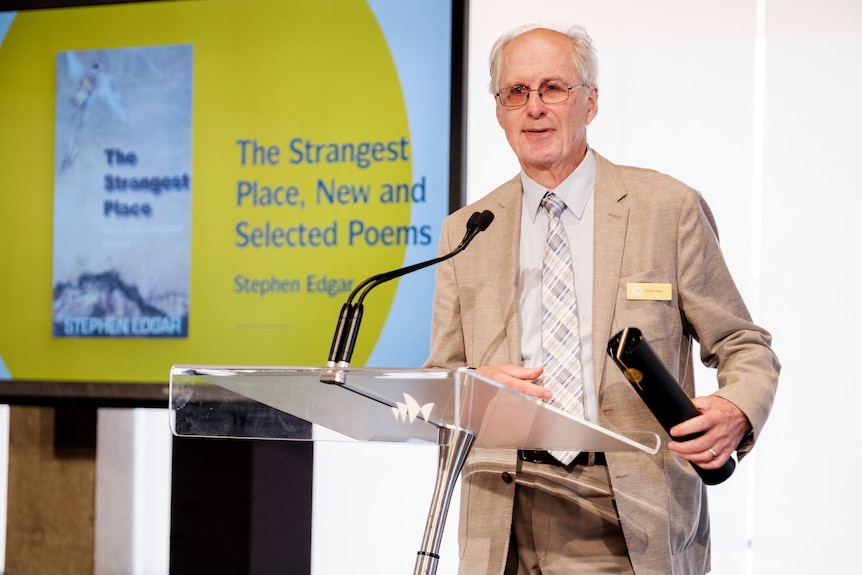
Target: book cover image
{"type": "Point", "coordinates": [122, 192]}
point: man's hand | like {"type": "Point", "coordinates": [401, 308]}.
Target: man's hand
{"type": "Point", "coordinates": [518, 378]}
{"type": "Point", "coordinates": [723, 426]}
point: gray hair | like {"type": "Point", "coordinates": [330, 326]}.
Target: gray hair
{"type": "Point", "coordinates": [583, 54]}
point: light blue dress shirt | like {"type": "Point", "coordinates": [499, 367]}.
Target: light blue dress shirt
{"type": "Point", "coordinates": [577, 192]}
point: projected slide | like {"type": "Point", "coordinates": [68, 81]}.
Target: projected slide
{"type": "Point", "coordinates": [205, 182]}
{"type": "Point", "coordinates": [122, 192]}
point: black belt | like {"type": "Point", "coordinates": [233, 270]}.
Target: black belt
{"type": "Point", "coordinates": [583, 458]}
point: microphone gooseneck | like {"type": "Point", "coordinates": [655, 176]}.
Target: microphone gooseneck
{"type": "Point", "coordinates": [350, 317]}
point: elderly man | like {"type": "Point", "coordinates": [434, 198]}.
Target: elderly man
{"type": "Point", "coordinates": [533, 303]}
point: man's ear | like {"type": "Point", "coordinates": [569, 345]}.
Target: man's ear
{"type": "Point", "coordinates": [594, 103]}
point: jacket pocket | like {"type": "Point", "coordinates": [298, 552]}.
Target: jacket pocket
{"type": "Point", "coordinates": [655, 317]}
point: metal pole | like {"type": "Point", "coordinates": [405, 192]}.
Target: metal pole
{"type": "Point", "coordinates": [453, 447]}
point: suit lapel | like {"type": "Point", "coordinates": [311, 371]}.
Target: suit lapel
{"type": "Point", "coordinates": [506, 274]}
{"type": "Point", "coordinates": [611, 217]}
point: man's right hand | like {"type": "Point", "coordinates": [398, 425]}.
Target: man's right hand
{"type": "Point", "coordinates": [518, 378]}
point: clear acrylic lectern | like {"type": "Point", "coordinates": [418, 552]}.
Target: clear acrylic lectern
{"type": "Point", "coordinates": [454, 409]}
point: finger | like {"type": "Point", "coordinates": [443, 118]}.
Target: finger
{"type": "Point", "coordinates": [691, 426]}
{"type": "Point", "coordinates": [707, 458]}
{"type": "Point", "coordinates": [696, 448]}
{"type": "Point", "coordinates": [703, 402]}
{"type": "Point", "coordinates": [713, 459]}
{"type": "Point", "coordinates": [516, 377]}
{"type": "Point", "coordinates": [529, 388]}
{"type": "Point", "coordinates": [526, 373]}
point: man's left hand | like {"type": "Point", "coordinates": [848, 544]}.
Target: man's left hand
{"type": "Point", "coordinates": [723, 426]}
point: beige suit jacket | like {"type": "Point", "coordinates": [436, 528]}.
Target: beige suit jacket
{"type": "Point", "coordinates": [648, 228]}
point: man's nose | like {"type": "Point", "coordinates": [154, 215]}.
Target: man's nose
{"type": "Point", "coordinates": [535, 106]}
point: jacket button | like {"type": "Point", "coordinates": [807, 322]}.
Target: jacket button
{"type": "Point", "coordinates": [506, 476]}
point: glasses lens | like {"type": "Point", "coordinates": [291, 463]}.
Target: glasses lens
{"type": "Point", "coordinates": [549, 92]}
{"type": "Point", "coordinates": [514, 96]}
{"type": "Point", "coordinates": [554, 92]}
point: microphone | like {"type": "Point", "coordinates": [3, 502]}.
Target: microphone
{"type": "Point", "coordinates": [659, 391]}
{"type": "Point", "coordinates": [350, 317]}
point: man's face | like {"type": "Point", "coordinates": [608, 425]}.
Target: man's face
{"type": "Point", "coordinates": [549, 139]}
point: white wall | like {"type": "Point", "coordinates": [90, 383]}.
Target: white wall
{"type": "Point", "coordinates": [756, 104]}
{"type": "Point", "coordinates": [806, 519]}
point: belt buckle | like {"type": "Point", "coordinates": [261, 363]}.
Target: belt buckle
{"type": "Point", "coordinates": [533, 456]}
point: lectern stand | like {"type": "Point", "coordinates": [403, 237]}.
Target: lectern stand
{"type": "Point", "coordinates": [455, 409]}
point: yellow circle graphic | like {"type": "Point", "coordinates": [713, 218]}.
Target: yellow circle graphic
{"type": "Point", "coordinates": [300, 180]}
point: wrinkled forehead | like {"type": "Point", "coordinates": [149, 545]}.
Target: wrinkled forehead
{"type": "Point", "coordinates": [536, 57]}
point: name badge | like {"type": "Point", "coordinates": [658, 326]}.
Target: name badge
{"type": "Point", "coordinates": [649, 291]}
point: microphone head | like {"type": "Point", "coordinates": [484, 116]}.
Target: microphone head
{"type": "Point", "coordinates": [477, 223]}
{"type": "Point", "coordinates": [484, 220]}
{"type": "Point", "coordinates": [471, 223]}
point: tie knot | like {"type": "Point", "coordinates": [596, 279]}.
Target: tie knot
{"type": "Point", "coordinates": [553, 204]}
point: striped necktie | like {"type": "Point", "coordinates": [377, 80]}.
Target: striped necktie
{"type": "Point", "coordinates": [560, 341]}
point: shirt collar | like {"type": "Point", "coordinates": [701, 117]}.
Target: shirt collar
{"type": "Point", "coordinates": [575, 190]}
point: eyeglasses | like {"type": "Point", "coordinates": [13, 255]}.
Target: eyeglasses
{"type": "Point", "coordinates": [549, 93]}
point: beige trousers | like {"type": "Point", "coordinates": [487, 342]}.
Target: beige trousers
{"type": "Point", "coordinates": [575, 535]}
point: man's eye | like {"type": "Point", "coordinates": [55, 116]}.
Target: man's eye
{"type": "Point", "coordinates": [553, 88]}
{"type": "Point", "coordinates": [516, 90]}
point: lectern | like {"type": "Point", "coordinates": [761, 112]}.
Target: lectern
{"type": "Point", "coordinates": [454, 409]}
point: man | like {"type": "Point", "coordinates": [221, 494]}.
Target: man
{"type": "Point", "coordinates": [549, 513]}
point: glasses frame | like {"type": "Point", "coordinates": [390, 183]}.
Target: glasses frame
{"type": "Point", "coordinates": [528, 90]}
